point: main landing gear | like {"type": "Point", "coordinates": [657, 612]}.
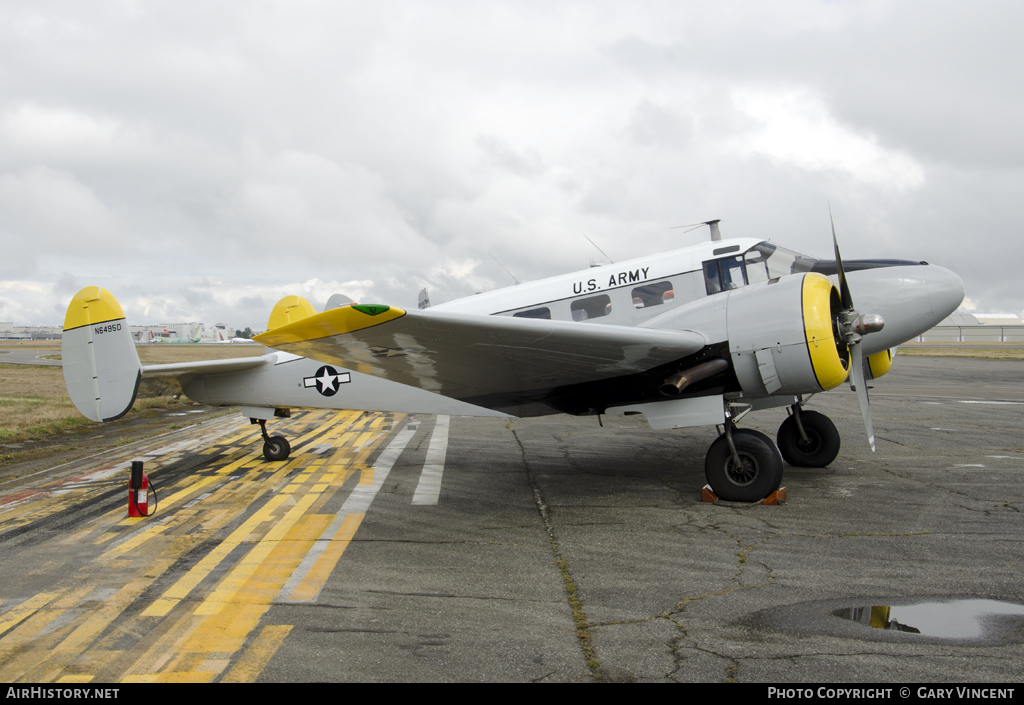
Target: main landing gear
{"type": "Point", "coordinates": [808, 439]}
{"type": "Point", "coordinates": [274, 447]}
{"type": "Point", "coordinates": [744, 465]}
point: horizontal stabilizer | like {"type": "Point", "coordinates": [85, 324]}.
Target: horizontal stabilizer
{"type": "Point", "coordinates": [171, 379]}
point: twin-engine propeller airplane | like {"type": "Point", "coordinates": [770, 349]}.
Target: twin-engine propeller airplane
{"type": "Point", "coordinates": [698, 336]}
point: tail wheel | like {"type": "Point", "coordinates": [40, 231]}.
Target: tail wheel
{"type": "Point", "coordinates": [758, 474]}
{"type": "Point", "coordinates": [821, 447]}
{"type": "Point", "coordinates": [276, 448]}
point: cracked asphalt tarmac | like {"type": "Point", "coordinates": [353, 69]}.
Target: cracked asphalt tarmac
{"type": "Point", "coordinates": [561, 550]}
{"type": "Point", "coordinates": [557, 550]}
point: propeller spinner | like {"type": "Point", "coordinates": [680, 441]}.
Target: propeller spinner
{"type": "Point", "coordinates": [853, 327]}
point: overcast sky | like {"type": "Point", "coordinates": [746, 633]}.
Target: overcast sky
{"type": "Point", "coordinates": [203, 159]}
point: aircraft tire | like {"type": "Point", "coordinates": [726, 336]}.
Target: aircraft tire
{"type": "Point", "coordinates": [277, 448]}
{"type": "Point", "coordinates": [822, 434]}
{"type": "Point", "coordinates": [761, 471]}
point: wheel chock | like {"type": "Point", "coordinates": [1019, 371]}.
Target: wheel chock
{"type": "Point", "coordinates": [776, 497]}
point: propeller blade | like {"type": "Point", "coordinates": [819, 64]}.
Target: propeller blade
{"type": "Point", "coordinates": [861, 385]}
{"type": "Point", "coordinates": [844, 288]}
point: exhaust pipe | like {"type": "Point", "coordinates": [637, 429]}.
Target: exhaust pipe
{"type": "Point", "coordinates": [680, 380]}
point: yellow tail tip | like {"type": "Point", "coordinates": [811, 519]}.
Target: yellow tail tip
{"type": "Point", "coordinates": [92, 305]}
{"type": "Point", "coordinates": [289, 310]}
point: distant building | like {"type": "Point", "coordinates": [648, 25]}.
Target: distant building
{"type": "Point", "coordinates": [164, 332]}
{"type": "Point", "coordinates": [962, 327]}
{"type": "Point", "coordinates": [9, 331]}
{"type": "Point", "coordinates": [182, 332]}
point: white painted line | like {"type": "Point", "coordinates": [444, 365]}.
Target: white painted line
{"type": "Point", "coordinates": [357, 503]}
{"type": "Point", "coordinates": [1014, 403]}
{"type": "Point", "coordinates": [429, 488]}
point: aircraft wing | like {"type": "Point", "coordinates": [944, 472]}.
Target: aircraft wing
{"type": "Point", "coordinates": [167, 380]}
{"type": "Point", "coordinates": [495, 361]}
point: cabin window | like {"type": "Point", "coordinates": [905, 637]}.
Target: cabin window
{"type": "Point", "coordinates": [653, 295]}
{"type": "Point", "coordinates": [544, 312]}
{"type": "Point", "coordinates": [592, 307]}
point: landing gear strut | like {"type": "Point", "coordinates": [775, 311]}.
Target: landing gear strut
{"type": "Point", "coordinates": [743, 465]}
{"type": "Point", "coordinates": [808, 439]}
{"type": "Point", "coordinates": [274, 447]}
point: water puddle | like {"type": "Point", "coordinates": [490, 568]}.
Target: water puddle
{"type": "Point", "coordinates": [958, 619]}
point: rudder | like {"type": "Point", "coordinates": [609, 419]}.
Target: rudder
{"type": "Point", "coordinates": [102, 371]}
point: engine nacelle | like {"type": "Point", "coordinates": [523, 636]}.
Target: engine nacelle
{"type": "Point", "coordinates": [783, 337]}
{"type": "Point", "coordinates": [879, 363]}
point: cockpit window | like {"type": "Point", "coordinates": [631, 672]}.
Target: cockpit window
{"type": "Point", "coordinates": [712, 280]}
{"type": "Point", "coordinates": [733, 276]}
{"type": "Point", "coordinates": [724, 274]}
{"type": "Point", "coordinates": [760, 263]}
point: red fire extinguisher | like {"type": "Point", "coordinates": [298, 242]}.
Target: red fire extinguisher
{"type": "Point", "coordinates": [138, 492]}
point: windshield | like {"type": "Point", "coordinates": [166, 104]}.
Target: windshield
{"type": "Point", "coordinates": [767, 261]}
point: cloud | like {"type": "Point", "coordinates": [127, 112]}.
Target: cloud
{"type": "Point", "coordinates": [43, 210]}
{"type": "Point", "coordinates": [401, 144]}
{"type": "Point", "coordinates": [796, 129]}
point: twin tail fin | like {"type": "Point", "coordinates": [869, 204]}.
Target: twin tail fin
{"type": "Point", "coordinates": [102, 371]}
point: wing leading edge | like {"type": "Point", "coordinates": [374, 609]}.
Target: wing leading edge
{"type": "Point", "coordinates": [506, 361]}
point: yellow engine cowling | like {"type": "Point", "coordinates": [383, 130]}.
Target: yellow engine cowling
{"type": "Point", "coordinates": [783, 337]}
{"type": "Point", "coordinates": [879, 363]}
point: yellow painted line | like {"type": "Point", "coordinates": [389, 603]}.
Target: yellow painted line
{"type": "Point", "coordinates": [24, 610]}
{"type": "Point", "coordinates": [162, 504]}
{"type": "Point", "coordinates": [201, 647]}
{"type": "Point", "coordinates": [193, 577]}
{"type": "Point", "coordinates": [152, 653]}
{"type": "Point", "coordinates": [321, 569]}
{"type": "Point", "coordinates": [75, 679]}
{"type": "Point", "coordinates": [221, 633]}
{"type": "Point", "coordinates": [112, 607]}
{"type": "Point", "coordinates": [17, 658]}
{"type": "Point", "coordinates": [248, 668]}
{"type": "Point", "coordinates": [135, 541]}
{"type": "Point", "coordinates": [247, 458]}
{"type": "Point", "coordinates": [248, 565]}
{"type": "Point", "coordinates": [320, 429]}
{"type": "Point", "coordinates": [269, 579]}
{"type": "Point", "coordinates": [185, 677]}
{"type": "Point", "coordinates": [181, 495]}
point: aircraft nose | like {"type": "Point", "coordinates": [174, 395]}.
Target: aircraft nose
{"type": "Point", "coordinates": [945, 291]}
